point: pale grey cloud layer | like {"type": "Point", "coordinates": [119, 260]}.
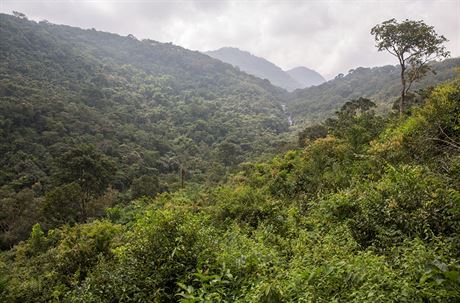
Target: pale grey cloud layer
{"type": "Point", "coordinates": [329, 36]}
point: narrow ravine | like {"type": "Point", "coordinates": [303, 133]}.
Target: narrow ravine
{"type": "Point", "coordinates": [289, 118]}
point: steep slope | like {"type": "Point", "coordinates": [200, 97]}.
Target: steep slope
{"type": "Point", "coordinates": [380, 84]}
{"type": "Point", "coordinates": [256, 66]}
{"type": "Point", "coordinates": [153, 109]}
{"type": "Point", "coordinates": [305, 76]}
{"type": "Point", "coordinates": [368, 214]}
{"type": "Point", "coordinates": [63, 86]}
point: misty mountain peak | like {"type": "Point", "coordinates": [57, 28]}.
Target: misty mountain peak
{"type": "Point", "coordinates": [306, 76]}
{"type": "Point", "coordinates": [262, 68]}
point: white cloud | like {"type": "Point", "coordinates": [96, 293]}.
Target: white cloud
{"type": "Point", "coordinates": [329, 36]}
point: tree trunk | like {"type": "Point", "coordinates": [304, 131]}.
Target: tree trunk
{"type": "Point", "coordinates": [403, 92]}
{"type": "Point", "coordinates": [83, 206]}
{"type": "Point", "coordinates": [182, 173]}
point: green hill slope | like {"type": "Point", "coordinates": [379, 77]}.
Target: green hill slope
{"type": "Point", "coordinates": [380, 84]}
{"type": "Point", "coordinates": [369, 213]}
{"type": "Point", "coordinates": [143, 103]}
{"type": "Point", "coordinates": [157, 112]}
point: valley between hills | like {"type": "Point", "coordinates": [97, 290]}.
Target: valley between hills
{"type": "Point", "coordinates": [140, 171]}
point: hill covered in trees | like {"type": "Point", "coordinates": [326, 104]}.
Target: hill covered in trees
{"type": "Point", "coordinates": [369, 212]}
{"type": "Point", "coordinates": [299, 77]}
{"type": "Point", "coordinates": [154, 114]}
{"type": "Point", "coordinates": [380, 84]}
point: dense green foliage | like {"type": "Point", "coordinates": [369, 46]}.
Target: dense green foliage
{"type": "Point", "coordinates": [380, 84]}
{"type": "Point", "coordinates": [368, 213]}
{"type": "Point", "coordinates": [129, 171]}
{"type": "Point", "coordinates": [131, 115]}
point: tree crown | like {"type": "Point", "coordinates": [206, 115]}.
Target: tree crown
{"type": "Point", "coordinates": [412, 42]}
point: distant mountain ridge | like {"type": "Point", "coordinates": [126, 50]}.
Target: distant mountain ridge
{"type": "Point", "coordinates": [299, 77]}
{"type": "Point", "coordinates": [305, 76]}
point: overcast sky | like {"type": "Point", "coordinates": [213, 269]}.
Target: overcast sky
{"type": "Point", "coordinates": [328, 36]}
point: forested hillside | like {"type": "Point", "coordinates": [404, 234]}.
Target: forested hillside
{"type": "Point", "coordinates": [380, 84]}
{"type": "Point", "coordinates": [370, 212]}
{"type": "Point", "coordinates": [151, 115]}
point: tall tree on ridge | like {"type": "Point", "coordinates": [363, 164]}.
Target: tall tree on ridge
{"type": "Point", "coordinates": [415, 44]}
